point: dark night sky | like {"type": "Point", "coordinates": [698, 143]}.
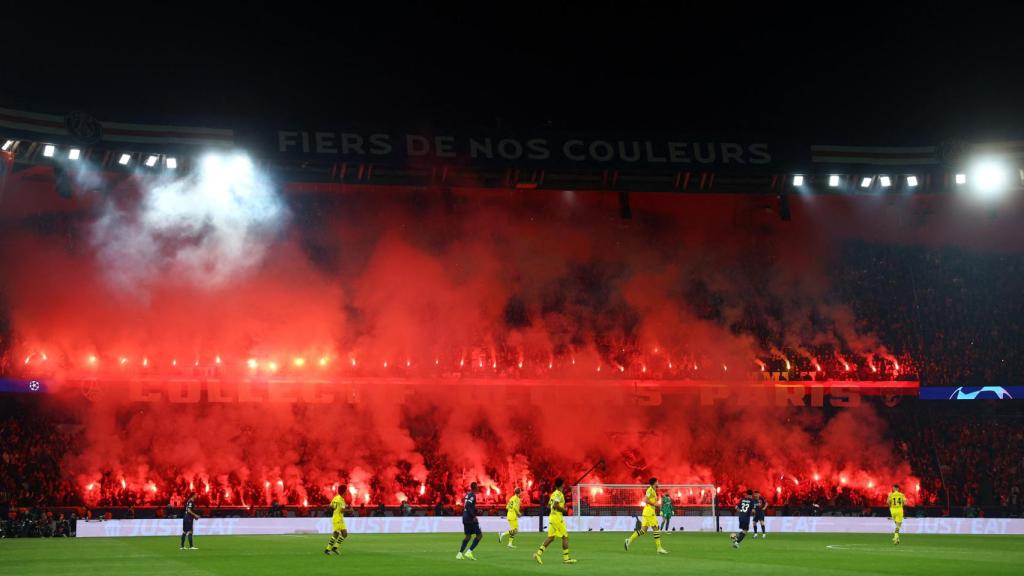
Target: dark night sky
{"type": "Point", "coordinates": [858, 74]}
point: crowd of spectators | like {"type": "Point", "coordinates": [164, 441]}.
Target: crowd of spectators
{"type": "Point", "coordinates": [970, 461]}
{"type": "Point", "coordinates": [946, 315]}
{"type": "Point", "coordinates": [958, 313]}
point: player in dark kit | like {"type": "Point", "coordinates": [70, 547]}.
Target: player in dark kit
{"type": "Point", "coordinates": [745, 508]}
{"type": "Point", "coordinates": [470, 524]}
{"type": "Point", "coordinates": [186, 522]}
{"type": "Point", "coordinates": [760, 505]}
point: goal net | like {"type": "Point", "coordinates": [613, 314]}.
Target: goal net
{"type": "Point", "coordinates": [628, 499]}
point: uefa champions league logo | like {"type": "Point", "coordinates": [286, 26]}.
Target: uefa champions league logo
{"type": "Point", "coordinates": [34, 386]}
{"type": "Point", "coordinates": [983, 393]}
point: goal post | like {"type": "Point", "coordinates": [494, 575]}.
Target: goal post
{"type": "Point", "coordinates": [628, 499]}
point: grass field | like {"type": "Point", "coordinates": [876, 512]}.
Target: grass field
{"type": "Point", "coordinates": [598, 553]}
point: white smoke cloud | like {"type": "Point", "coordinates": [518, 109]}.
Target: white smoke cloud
{"type": "Point", "coordinates": [206, 228]}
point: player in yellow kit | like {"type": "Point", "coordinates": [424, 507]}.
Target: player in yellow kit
{"type": "Point", "coordinates": [556, 525]}
{"type": "Point", "coordinates": [512, 514]}
{"type": "Point", "coordinates": [650, 518]}
{"type": "Point", "coordinates": [340, 532]}
{"type": "Point", "coordinates": [896, 501]}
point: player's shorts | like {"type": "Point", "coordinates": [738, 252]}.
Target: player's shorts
{"type": "Point", "coordinates": [338, 524]}
{"type": "Point", "coordinates": [513, 521]}
{"type": "Point", "coordinates": [471, 526]}
{"type": "Point", "coordinates": [186, 524]}
{"type": "Point", "coordinates": [758, 516]}
{"type": "Point", "coordinates": [744, 522]}
{"type": "Point", "coordinates": [649, 520]}
{"type": "Point", "coordinates": [897, 516]}
{"type": "Point", "coordinates": [556, 528]}
{"type": "Point", "coordinates": [667, 515]}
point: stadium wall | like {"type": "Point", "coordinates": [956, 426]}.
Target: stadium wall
{"type": "Point", "coordinates": [430, 524]}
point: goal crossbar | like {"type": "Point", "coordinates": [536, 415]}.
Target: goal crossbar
{"type": "Point", "coordinates": [628, 499]}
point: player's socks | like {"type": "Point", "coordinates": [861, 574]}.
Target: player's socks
{"type": "Point", "coordinates": [512, 541]}
{"type": "Point", "coordinates": [463, 547]}
{"type": "Point", "coordinates": [565, 555]}
{"type": "Point", "coordinates": [539, 552]}
{"type": "Point", "coordinates": [657, 540]}
{"type": "Point", "coordinates": [330, 543]}
{"type": "Point", "coordinates": [182, 540]}
{"type": "Point", "coordinates": [190, 540]}
{"type": "Point", "coordinates": [740, 537]}
{"type": "Point", "coordinates": [473, 545]}
{"type": "Point", "coordinates": [634, 535]}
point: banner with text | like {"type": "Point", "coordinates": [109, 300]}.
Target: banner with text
{"type": "Point", "coordinates": [450, 524]}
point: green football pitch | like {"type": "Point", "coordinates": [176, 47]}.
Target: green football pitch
{"type": "Point", "coordinates": [598, 553]}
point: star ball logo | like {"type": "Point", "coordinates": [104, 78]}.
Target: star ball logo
{"type": "Point", "coordinates": [34, 386]}
{"type": "Point", "coordinates": [983, 393]}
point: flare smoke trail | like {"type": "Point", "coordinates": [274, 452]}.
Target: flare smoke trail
{"type": "Point", "coordinates": [206, 229]}
{"type": "Point", "coordinates": [193, 268]}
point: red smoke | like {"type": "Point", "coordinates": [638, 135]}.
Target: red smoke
{"type": "Point", "coordinates": [506, 283]}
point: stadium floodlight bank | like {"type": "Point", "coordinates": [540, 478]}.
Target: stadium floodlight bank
{"type": "Point", "coordinates": [627, 499]}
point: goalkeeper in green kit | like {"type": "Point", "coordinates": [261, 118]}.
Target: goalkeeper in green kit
{"type": "Point", "coordinates": [666, 511]}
